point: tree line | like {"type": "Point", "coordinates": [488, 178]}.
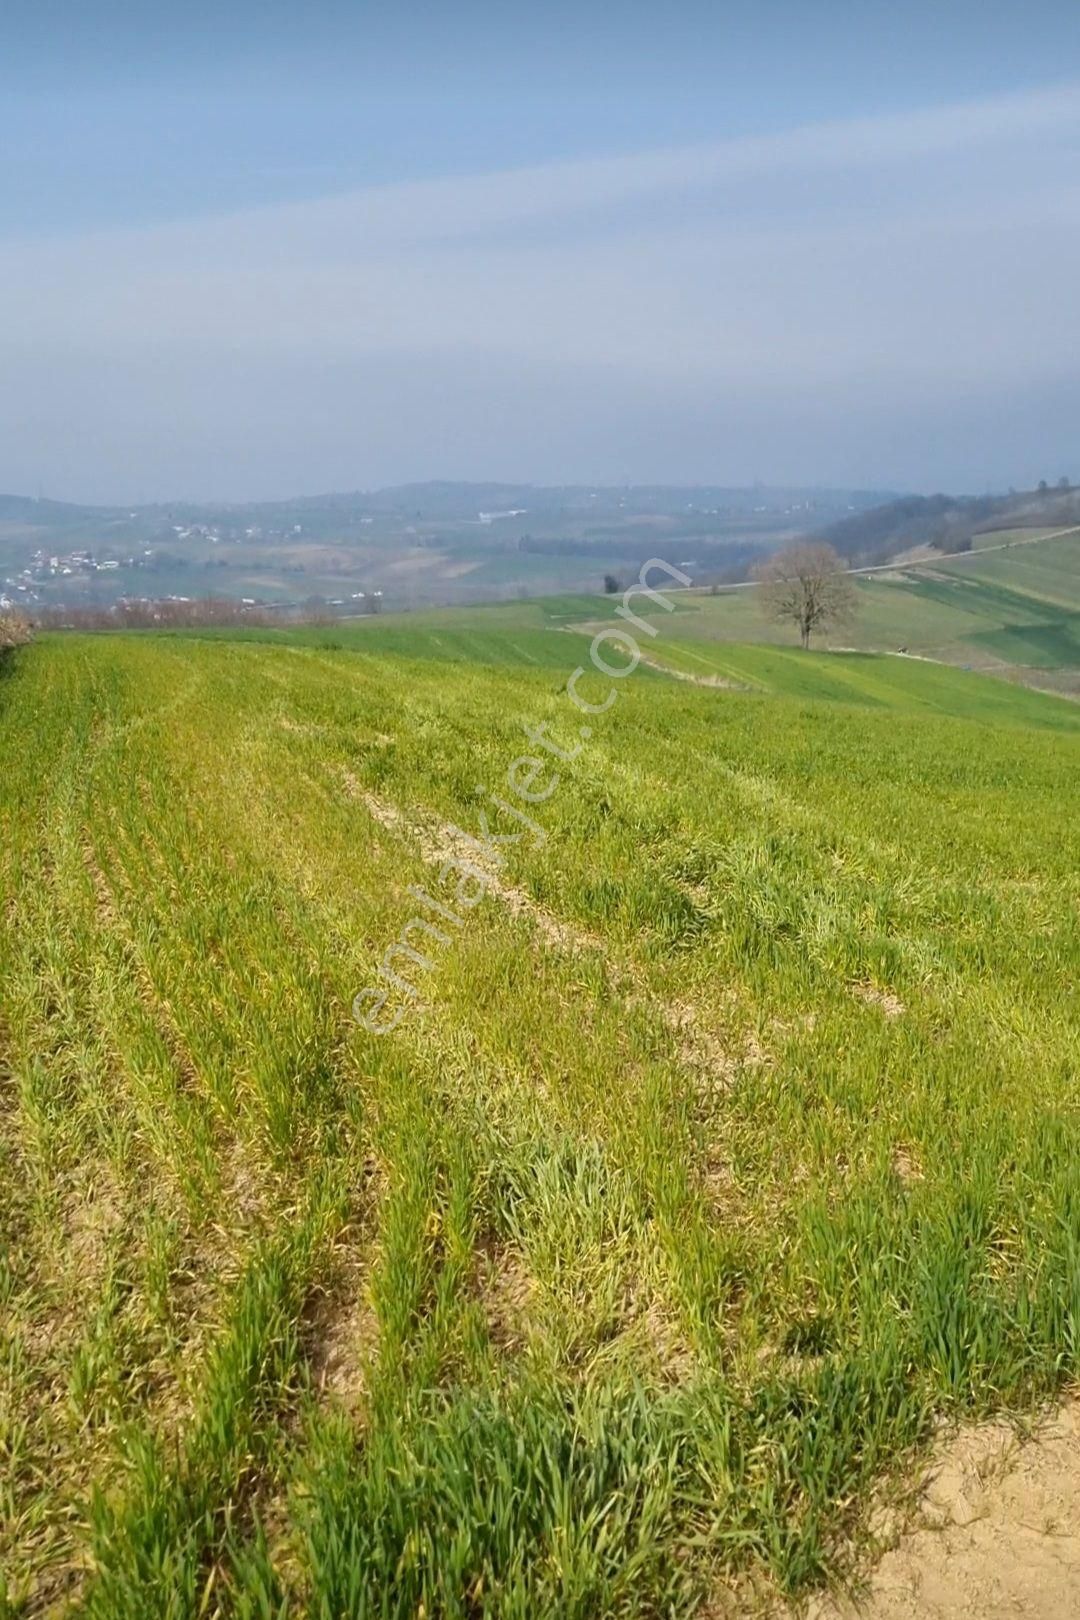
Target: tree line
{"type": "Point", "coordinates": [167, 613]}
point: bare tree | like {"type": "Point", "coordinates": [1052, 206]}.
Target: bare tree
{"type": "Point", "coordinates": [14, 630]}
{"type": "Point", "coordinates": [806, 586]}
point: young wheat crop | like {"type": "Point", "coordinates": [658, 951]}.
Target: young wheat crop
{"type": "Point", "coordinates": [737, 1136]}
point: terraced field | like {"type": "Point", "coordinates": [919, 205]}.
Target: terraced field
{"type": "Point", "coordinates": [723, 1133]}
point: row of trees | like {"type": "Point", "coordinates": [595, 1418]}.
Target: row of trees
{"type": "Point", "coordinates": [153, 615]}
{"type": "Point", "coordinates": [169, 614]}
{"type": "Point", "coordinates": [150, 613]}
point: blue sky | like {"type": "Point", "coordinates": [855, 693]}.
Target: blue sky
{"type": "Point", "coordinates": [292, 248]}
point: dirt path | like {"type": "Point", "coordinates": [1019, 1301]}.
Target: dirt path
{"type": "Point", "coordinates": [996, 1534]}
{"type": "Point", "coordinates": [697, 680]}
{"type": "Point", "coordinates": [960, 556]}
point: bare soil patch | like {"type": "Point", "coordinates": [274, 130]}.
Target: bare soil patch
{"type": "Point", "coordinates": [995, 1535]}
{"type": "Point", "coordinates": [874, 996]}
{"type": "Point", "coordinates": [344, 1340]}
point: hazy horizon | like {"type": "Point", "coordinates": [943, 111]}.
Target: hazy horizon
{"type": "Point", "coordinates": [272, 255]}
{"type": "Point", "coordinates": [297, 496]}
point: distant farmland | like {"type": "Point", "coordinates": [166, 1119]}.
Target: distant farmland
{"type": "Point", "coordinates": [735, 1140]}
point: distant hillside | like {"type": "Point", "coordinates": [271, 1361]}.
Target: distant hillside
{"type": "Point", "coordinates": [445, 543]}
{"type": "Point", "coordinates": [948, 523]}
{"type": "Point", "coordinates": [408, 546]}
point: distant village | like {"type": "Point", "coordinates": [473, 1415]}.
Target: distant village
{"type": "Point", "coordinates": [22, 587]}
{"type": "Point", "coordinates": [35, 587]}
{"type": "Point", "coordinates": [32, 589]}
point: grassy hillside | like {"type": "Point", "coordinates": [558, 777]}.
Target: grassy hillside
{"type": "Point", "coordinates": [1011, 608]}
{"type": "Point", "coordinates": [949, 523]}
{"type": "Point", "coordinates": [915, 686]}
{"type": "Point", "coordinates": [736, 1135]}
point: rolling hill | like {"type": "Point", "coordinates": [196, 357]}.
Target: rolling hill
{"type": "Point", "coordinates": [1010, 607]}
{"type": "Point", "coordinates": [948, 523]}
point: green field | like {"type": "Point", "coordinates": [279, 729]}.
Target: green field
{"type": "Point", "coordinates": [518, 633]}
{"type": "Point", "coordinates": [728, 1139]}
{"type": "Point", "coordinates": [1014, 611]}
{"type": "Point", "coordinates": [994, 539]}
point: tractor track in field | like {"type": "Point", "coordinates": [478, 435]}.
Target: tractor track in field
{"type": "Point", "coordinates": [440, 843]}
{"type": "Point", "coordinates": [715, 1060]}
{"type": "Point", "coordinates": [715, 681]}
